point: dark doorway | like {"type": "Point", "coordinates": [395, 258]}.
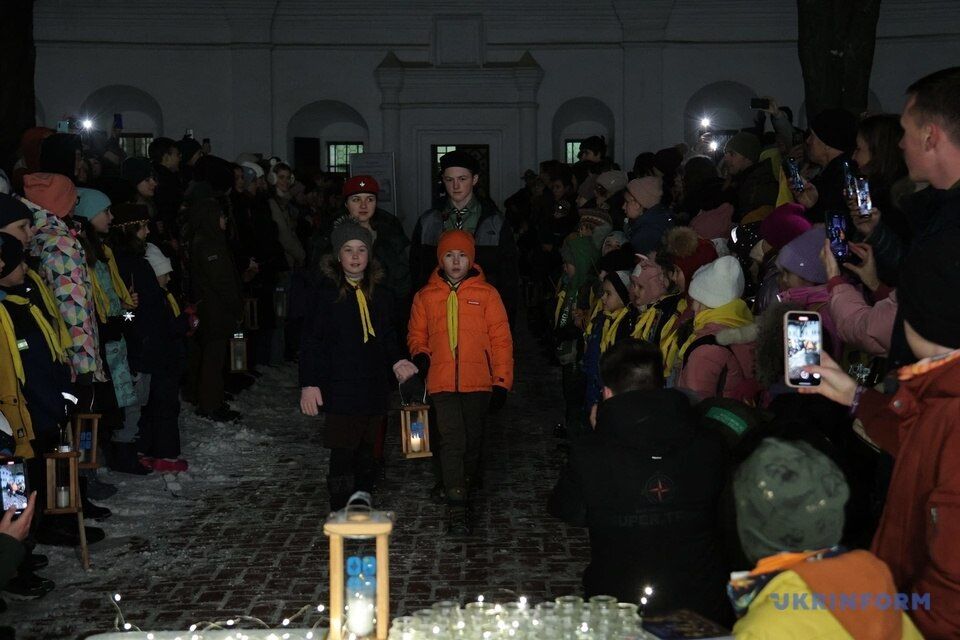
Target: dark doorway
{"type": "Point", "coordinates": [306, 153]}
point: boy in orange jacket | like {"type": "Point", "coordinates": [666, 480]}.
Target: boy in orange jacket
{"type": "Point", "coordinates": [460, 339]}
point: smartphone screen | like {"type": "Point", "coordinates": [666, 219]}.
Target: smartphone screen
{"type": "Point", "coordinates": [837, 233]}
{"type": "Point", "coordinates": [13, 478]}
{"type": "Point", "coordinates": [803, 344]}
{"type": "Point", "coordinates": [793, 174]}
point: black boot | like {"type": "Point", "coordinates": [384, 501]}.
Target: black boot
{"type": "Point", "coordinates": [458, 522]}
{"type": "Point", "coordinates": [122, 457]}
{"type": "Point", "coordinates": [340, 489]}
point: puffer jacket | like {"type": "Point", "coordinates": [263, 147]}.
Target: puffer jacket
{"type": "Point", "coordinates": [484, 354]}
{"type": "Point", "coordinates": [63, 266]}
{"type": "Point", "coordinates": [784, 607]}
{"type": "Point", "coordinates": [216, 287]}
{"type": "Point", "coordinates": [859, 324]}
{"type": "Point", "coordinates": [13, 404]}
{"type": "Point", "coordinates": [715, 370]}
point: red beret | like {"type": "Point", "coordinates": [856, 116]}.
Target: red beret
{"type": "Point", "coordinates": [360, 184]}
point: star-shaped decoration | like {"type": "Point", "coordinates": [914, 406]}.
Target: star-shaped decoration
{"type": "Point", "coordinates": [362, 183]}
{"type": "Point", "coordinates": [128, 316]}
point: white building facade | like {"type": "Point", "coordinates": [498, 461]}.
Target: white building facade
{"type": "Point", "coordinates": [520, 77]}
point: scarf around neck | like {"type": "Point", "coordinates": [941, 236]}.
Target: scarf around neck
{"type": "Point", "coordinates": [365, 323]}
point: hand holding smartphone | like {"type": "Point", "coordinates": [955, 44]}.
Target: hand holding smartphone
{"type": "Point", "coordinates": [13, 484]}
{"type": "Point", "coordinates": [803, 344]}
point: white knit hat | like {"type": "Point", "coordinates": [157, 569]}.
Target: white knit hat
{"type": "Point", "coordinates": [717, 283]}
{"type": "Point", "coordinates": [161, 264]}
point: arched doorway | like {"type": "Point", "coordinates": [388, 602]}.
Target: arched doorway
{"type": "Point", "coordinates": [581, 118]}
{"type": "Point", "coordinates": [323, 133]}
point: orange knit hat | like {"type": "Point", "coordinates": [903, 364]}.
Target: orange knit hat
{"type": "Point", "coordinates": [456, 239]}
{"type": "Point", "coordinates": [51, 191]}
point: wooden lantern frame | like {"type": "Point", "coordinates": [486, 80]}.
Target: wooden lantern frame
{"type": "Point", "coordinates": [359, 524]}
{"type": "Point", "coordinates": [409, 414]}
{"type": "Point", "coordinates": [241, 338]}
{"type": "Point", "coordinates": [251, 315]}
{"type": "Point", "coordinates": [75, 505]}
{"type": "Point", "coordinates": [87, 422]}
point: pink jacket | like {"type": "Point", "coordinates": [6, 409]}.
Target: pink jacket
{"type": "Point", "coordinates": [709, 363]}
{"type": "Point", "coordinates": [859, 324]}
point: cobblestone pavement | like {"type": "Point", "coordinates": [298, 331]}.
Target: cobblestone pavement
{"type": "Point", "coordinates": [241, 532]}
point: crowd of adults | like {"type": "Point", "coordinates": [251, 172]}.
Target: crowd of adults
{"type": "Point", "coordinates": [658, 293]}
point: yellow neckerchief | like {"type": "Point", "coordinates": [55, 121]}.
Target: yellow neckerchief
{"type": "Point", "coordinates": [732, 314]}
{"type": "Point", "coordinates": [53, 342]}
{"type": "Point", "coordinates": [118, 285]}
{"type": "Point", "coordinates": [453, 317]}
{"type": "Point", "coordinates": [610, 325]}
{"type": "Point", "coordinates": [173, 305]}
{"type": "Point", "coordinates": [594, 312]}
{"type": "Point", "coordinates": [364, 310]}
{"type": "Point", "coordinates": [53, 312]}
{"type": "Point", "coordinates": [561, 298]}
{"type": "Point", "coordinates": [926, 365]}
{"type": "Point", "coordinates": [645, 323]}
{"type": "Point", "coordinates": [669, 338]}
{"type": "Point", "coordinates": [10, 335]}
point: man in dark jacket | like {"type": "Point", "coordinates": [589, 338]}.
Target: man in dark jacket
{"type": "Point", "coordinates": [462, 209]}
{"type": "Point", "coordinates": [833, 136]}
{"type": "Point", "coordinates": [646, 484]}
{"type": "Point", "coordinates": [751, 183]}
{"type": "Point", "coordinates": [168, 196]}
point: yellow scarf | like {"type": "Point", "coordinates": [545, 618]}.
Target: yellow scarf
{"type": "Point", "coordinates": [594, 312]}
{"type": "Point", "coordinates": [10, 335]}
{"type": "Point", "coordinates": [53, 343]}
{"type": "Point", "coordinates": [53, 312]}
{"type": "Point", "coordinates": [669, 339]}
{"type": "Point", "coordinates": [364, 311]}
{"type": "Point", "coordinates": [732, 314]}
{"type": "Point", "coordinates": [453, 318]}
{"type": "Point", "coordinates": [100, 299]}
{"type": "Point", "coordinates": [645, 323]}
{"type": "Point", "coordinates": [610, 325]}
{"type": "Point", "coordinates": [173, 305]}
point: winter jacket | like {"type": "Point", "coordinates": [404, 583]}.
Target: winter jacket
{"type": "Point", "coordinates": [114, 343]}
{"type": "Point", "coordinates": [830, 184]}
{"type": "Point", "coordinates": [13, 403]}
{"type": "Point", "coordinates": [287, 232]}
{"type": "Point", "coordinates": [148, 349]}
{"type": "Point", "coordinates": [783, 607]}
{"type": "Point", "coordinates": [817, 298]}
{"type": "Point", "coordinates": [63, 266]}
{"type": "Point", "coordinates": [714, 223]}
{"type": "Point", "coordinates": [708, 369]}
{"type": "Point", "coordinates": [918, 531]}
{"type": "Point", "coordinates": [496, 251]}
{"type": "Point", "coordinates": [216, 287]}
{"type": "Point", "coordinates": [646, 484]}
{"type": "Point", "coordinates": [168, 197]}
{"type": "Point", "coordinates": [602, 332]}
{"type": "Point", "coordinates": [354, 377]}
{"type": "Point", "coordinates": [858, 323]}
{"type": "Point", "coordinates": [646, 232]}
{"type": "Point", "coordinates": [46, 378]}
{"type": "Point", "coordinates": [755, 187]}
{"type": "Point", "coordinates": [484, 353]}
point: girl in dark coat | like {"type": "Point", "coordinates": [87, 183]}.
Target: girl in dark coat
{"type": "Point", "coordinates": [348, 346]}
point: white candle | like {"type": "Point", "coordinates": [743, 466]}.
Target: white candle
{"type": "Point", "coordinates": [63, 497]}
{"type": "Point", "coordinates": [416, 443]}
{"type": "Point", "coordinates": [360, 615]}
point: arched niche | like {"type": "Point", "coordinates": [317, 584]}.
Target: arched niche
{"type": "Point", "coordinates": [580, 118]}
{"type": "Point", "coordinates": [141, 112]}
{"type": "Point", "coordinates": [725, 103]}
{"type": "Point", "coordinates": [326, 121]}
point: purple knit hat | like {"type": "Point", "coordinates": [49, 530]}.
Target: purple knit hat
{"type": "Point", "coordinates": [784, 223]}
{"type": "Point", "coordinates": [802, 256]}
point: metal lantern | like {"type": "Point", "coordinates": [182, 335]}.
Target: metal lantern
{"type": "Point", "coordinates": [251, 318]}
{"type": "Point", "coordinates": [280, 302]}
{"type": "Point", "coordinates": [86, 428]}
{"type": "Point", "coordinates": [63, 492]}
{"type": "Point", "coordinates": [415, 430]}
{"type": "Point", "coordinates": [359, 587]}
{"type": "Point", "coordinates": [238, 353]}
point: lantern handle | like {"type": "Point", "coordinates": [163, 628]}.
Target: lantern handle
{"type": "Point", "coordinates": [359, 501]}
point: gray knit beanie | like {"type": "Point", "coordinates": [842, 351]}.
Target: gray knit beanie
{"type": "Point", "coordinates": [346, 231]}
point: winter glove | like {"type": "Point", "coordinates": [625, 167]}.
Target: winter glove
{"type": "Point", "coordinates": [497, 400]}
{"type": "Point", "coordinates": [412, 391]}
{"type": "Point", "coordinates": [422, 362]}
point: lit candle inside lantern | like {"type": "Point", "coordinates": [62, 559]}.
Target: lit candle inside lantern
{"type": "Point", "coordinates": [360, 614]}
{"type": "Point", "coordinates": [416, 443]}
{"type": "Point", "coordinates": [63, 497]}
